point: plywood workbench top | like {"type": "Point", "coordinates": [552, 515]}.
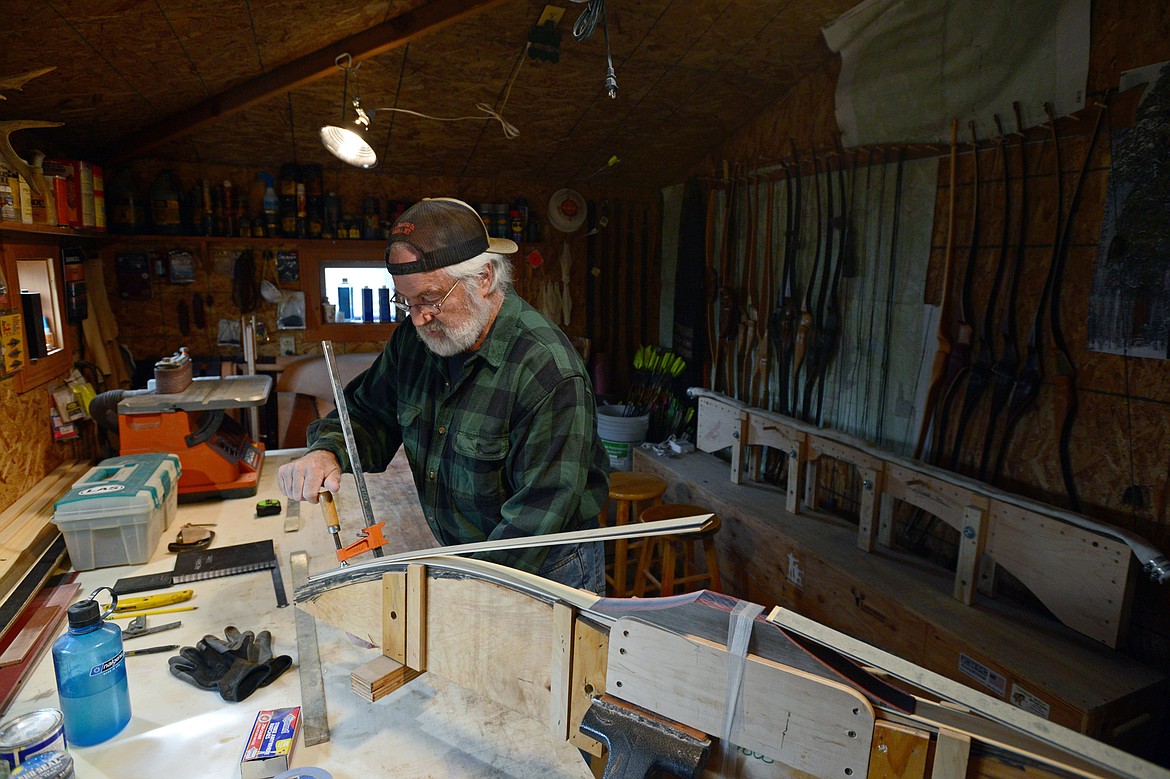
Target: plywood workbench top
{"type": "Point", "coordinates": [429, 728]}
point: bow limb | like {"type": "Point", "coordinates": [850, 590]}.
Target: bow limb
{"type": "Point", "coordinates": [943, 349]}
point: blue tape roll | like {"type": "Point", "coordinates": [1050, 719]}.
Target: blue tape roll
{"type": "Point", "coordinates": [308, 772]}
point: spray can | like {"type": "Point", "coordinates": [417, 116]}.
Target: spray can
{"type": "Point", "coordinates": [90, 668]}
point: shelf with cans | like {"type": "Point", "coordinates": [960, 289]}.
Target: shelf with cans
{"type": "Point", "coordinates": [294, 204]}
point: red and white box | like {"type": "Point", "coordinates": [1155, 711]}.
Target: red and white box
{"type": "Point", "coordinates": [270, 744]}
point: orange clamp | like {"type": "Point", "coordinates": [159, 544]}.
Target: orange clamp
{"type": "Point", "coordinates": [372, 538]}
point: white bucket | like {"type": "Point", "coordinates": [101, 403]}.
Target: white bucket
{"type": "Point", "coordinates": [620, 435]}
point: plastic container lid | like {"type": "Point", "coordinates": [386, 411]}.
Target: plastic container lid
{"type": "Point", "coordinates": [29, 728]}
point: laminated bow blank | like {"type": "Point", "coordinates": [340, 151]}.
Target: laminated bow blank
{"type": "Point", "coordinates": [236, 665]}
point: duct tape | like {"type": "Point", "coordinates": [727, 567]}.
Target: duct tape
{"type": "Point", "coordinates": [308, 772]}
{"type": "Point", "coordinates": [739, 633]}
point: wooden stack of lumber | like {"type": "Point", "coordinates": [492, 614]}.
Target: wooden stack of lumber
{"type": "Point", "coordinates": [379, 677]}
{"type": "Point", "coordinates": [26, 528]}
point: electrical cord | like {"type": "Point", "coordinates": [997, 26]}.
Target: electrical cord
{"type": "Point", "coordinates": [510, 130]}
{"type": "Point", "coordinates": [584, 26]}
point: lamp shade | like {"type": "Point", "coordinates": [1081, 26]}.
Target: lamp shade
{"type": "Point", "coordinates": [348, 146]}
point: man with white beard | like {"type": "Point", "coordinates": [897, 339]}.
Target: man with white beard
{"type": "Point", "coordinates": [487, 396]}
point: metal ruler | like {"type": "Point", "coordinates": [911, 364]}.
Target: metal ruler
{"type": "Point", "coordinates": [315, 717]}
{"type": "Point", "coordinates": [355, 462]}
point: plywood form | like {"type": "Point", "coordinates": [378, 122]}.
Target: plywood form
{"type": "Point", "coordinates": [902, 604]}
{"type": "Point", "coordinates": [809, 724]}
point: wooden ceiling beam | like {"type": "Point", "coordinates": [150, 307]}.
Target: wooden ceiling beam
{"type": "Point", "coordinates": [378, 39]}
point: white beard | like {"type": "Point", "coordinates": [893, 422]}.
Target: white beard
{"type": "Point", "coordinates": [447, 339]}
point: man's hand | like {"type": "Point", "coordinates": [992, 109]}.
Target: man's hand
{"type": "Point", "coordinates": [303, 479]}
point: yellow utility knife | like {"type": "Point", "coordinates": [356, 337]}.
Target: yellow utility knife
{"type": "Point", "coordinates": [152, 601]}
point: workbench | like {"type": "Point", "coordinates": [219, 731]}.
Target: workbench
{"type": "Point", "coordinates": [428, 728]}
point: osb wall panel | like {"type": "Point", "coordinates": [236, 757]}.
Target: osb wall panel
{"type": "Point", "coordinates": [1121, 436]}
{"type": "Point", "coordinates": [613, 270]}
{"type": "Point", "coordinates": [26, 440]}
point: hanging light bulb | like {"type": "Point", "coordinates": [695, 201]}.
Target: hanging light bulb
{"type": "Point", "coordinates": [346, 144]}
{"type": "Point", "coordinates": [349, 145]}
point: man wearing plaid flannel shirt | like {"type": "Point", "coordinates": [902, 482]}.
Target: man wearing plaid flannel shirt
{"type": "Point", "coordinates": [490, 401]}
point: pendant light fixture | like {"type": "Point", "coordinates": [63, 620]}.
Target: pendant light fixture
{"type": "Point", "coordinates": [345, 142]}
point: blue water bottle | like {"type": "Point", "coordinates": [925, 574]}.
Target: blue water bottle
{"type": "Point", "coordinates": [91, 674]}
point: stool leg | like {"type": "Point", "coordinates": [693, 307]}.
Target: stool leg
{"type": "Point", "coordinates": [668, 563]}
{"type": "Point", "coordinates": [645, 559]}
{"type": "Point", "coordinates": [712, 564]}
{"type": "Point", "coordinates": [620, 553]}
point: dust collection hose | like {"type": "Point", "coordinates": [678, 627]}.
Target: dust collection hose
{"type": "Point", "coordinates": [104, 407]}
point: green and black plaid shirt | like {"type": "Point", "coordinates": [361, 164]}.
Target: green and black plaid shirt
{"type": "Point", "coordinates": [508, 448]}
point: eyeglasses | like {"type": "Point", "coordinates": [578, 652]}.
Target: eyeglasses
{"type": "Point", "coordinates": [424, 308]}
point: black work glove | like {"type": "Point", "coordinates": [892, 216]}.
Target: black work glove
{"type": "Point", "coordinates": [251, 649]}
{"type": "Point", "coordinates": [236, 664]}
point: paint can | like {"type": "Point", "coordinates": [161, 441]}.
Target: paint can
{"type": "Point", "coordinates": [30, 734]}
{"type": "Point", "coordinates": [46, 765]}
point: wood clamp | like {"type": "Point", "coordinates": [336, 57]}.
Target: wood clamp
{"type": "Point", "coordinates": [372, 538]}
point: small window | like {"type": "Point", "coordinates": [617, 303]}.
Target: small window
{"type": "Point", "coordinates": [359, 293]}
{"type": "Point", "coordinates": [38, 283]}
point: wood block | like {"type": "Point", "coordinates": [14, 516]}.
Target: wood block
{"type": "Point", "coordinates": [394, 615]}
{"type": "Point", "coordinates": [867, 519]}
{"type": "Point", "coordinates": [802, 721]}
{"type": "Point", "coordinates": [561, 674]}
{"type": "Point", "coordinates": [590, 650]}
{"type": "Point", "coordinates": [898, 752]}
{"type": "Point", "coordinates": [972, 543]}
{"type": "Point", "coordinates": [951, 755]}
{"type": "Point", "coordinates": [380, 677]}
{"type": "Point", "coordinates": [416, 616]}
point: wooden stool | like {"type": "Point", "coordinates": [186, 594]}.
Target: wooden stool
{"type": "Point", "coordinates": [664, 551]}
{"type": "Point", "coordinates": [626, 488]}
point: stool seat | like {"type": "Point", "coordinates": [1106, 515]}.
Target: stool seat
{"type": "Point", "coordinates": [626, 490]}
{"type": "Point", "coordinates": [680, 511]}
{"type": "Point", "coordinates": [634, 485]}
{"type": "Point", "coordinates": [668, 563]}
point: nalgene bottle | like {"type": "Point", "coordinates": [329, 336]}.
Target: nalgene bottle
{"type": "Point", "coordinates": [91, 674]}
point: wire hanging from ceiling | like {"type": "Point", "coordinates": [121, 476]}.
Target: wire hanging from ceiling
{"type": "Point", "coordinates": [583, 28]}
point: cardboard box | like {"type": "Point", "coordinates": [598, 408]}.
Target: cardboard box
{"type": "Point", "coordinates": [268, 751]}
